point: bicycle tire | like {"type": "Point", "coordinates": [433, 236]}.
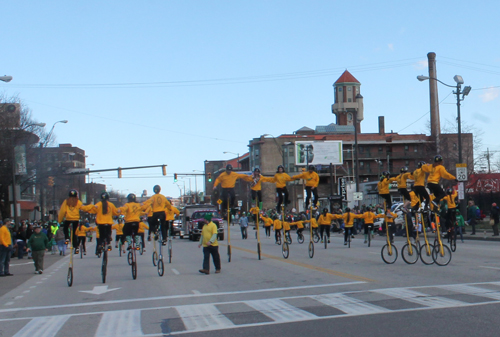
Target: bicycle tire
{"type": "Point", "coordinates": [410, 257]}
{"type": "Point", "coordinates": [311, 249]}
{"type": "Point", "coordinates": [369, 239]}
{"type": "Point", "coordinates": [325, 241]}
{"type": "Point", "coordinates": [229, 253]}
{"type": "Point", "coordinates": [389, 258]}
{"type": "Point", "coordinates": [349, 239]}
{"type": "Point", "coordinates": [170, 255]}
{"type": "Point", "coordinates": [161, 266]}
{"type": "Point", "coordinates": [258, 250]}
{"type": "Point", "coordinates": [441, 259]}
{"type": "Point", "coordinates": [279, 239]}
{"type": "Point", "coordinates": [316, 237]}
{"type": "Point", "coordinates": [129, 257]}
{"type": "Point", "coordinates": [120, 248]}
{"type": "Point", "coordinates": [453, 244]}
{"type": "Point", "coordinates": [134, 270]}
{"type": "Point", "coordinates": [155, 258]}
{"type": "Point", "coordinates": [81, 251]}
{"type": "Point", "coordinates": [285, 250]}
{"type": "Point", "coordinates": [426, 254]}
{"type": "Point", "coordinates": [141, 248]}
{"type": "Point", "coordinates": [300, 238]}
{"type": "Point", "coordinates": [289, 238]}
{"type": "Point", "coordinates": [104, 266]}
{"type": "Point", "coordinates": [69, 278]}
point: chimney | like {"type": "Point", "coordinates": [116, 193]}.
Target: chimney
{"type": "Point", "coordinates": [433, 92]}
{"type": "Point", "coordinates": [381, 125]}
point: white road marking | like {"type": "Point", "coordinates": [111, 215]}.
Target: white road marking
{"type": "Point", "coordinates": [33, 287]}
{"type": "Point", "coordinates": [26, 291]}
{"type": "Point", "coordinates": [20, 264]}
{"type": "Point", "coordinates": [99, 290]}
{"type": "Point", "coordinates": [349, 305]}
{"type": "Point", "coordinates": [122, 323]}
{"type": "Point", "coordinates": [196, 292]}
{"type": "Point", "coordinates": [420, 298]}
{"type": "Point", "coordinates": [490, 267]}
{"type": "Point", "coordinates": [18, 297]}
{"type": "Point", "coordinates": [203, 317]}
{"type": "Point", "coordinates": [467, 289]}
{"type": "Point", "coordinates": [280, 311]}
{"type": "Point", "coordinates": [9, 303]}
{"type": "Point", "coordinates": [39, 282]}
{"type": "Point", "coordinates": [175, 271]}
{"type": "Point", "coordinates": [43, 326]}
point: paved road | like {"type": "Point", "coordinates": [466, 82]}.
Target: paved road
{"type": "Point", "coordinates": [346, 291]}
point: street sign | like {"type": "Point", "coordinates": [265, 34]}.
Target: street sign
{"type": "Point", "coordinates": [461, 171]}
{"type": "Point", "coordinates": [219, 201]}
{"type": "Point", "coordinates": [240, 203]}
{"type": "Point", "coordinates": [461, 191]}
{"type": "Point", "coordinates": [357, 195]}
{"type": "Point", "coordinates": [343, 188]}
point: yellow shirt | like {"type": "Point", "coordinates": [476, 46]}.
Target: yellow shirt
{"type": "Point", "coordinates": [383, 186]}
{"type": "Point", "coordinates": [414, 199]}
{"type": "Point", "coordinates": [158, 203]}
{"type": "Point", "coordinates": [450, 200]}
{"type": "Point", "coordinates": [81, 231]}
{"type": "Point", "coordinates": [142, 227]}
{"type": "Point", "coordinates": [70, 213]}
{"type": "Point", "coordinates": [326, 219]}
{"type": "Point", "coordinates": [286, 225]}
{"type": "Point", "coordinates": [170, 214]}
{"type": "Point", "coordinates": [267, 221]}
{"type": "Point", "coordinates": [228, 180]}
{"type": "Point", "coordinates": [5, 238]}
{"type": "Point", "coordinates": [102, 219]}
{"type": "Point", "coordinates": [401, 179]}
{"type": "Point", "coordinates": [208, 231]}
{"type": "Point", "coordinates": [419, 177]}
{"type": "Point", "coordinates": [119, 228]}
{"type": "Point", "coordinates": [391, 218]}
{"type": "Point", "coordinates": [277, 224]}
{"type": "Point", "coordinates": [258, 184]}
{"type": "Point", "coordinates": [132, 211]}
{"type": "Point", "coordinates": [313, 222]}
{"type": "Point", "coordinates": [348, 218]}
{"type": "Point", "coordinates": [280, 179]}
{"type": "Point", "coordinates": [436, 173]}
{"type": "Point", "coordinates": [370, 217]}
{"type": "Point", "coordinates": [299, 224]}
{"type": "Point", "coordinates": [311, 178]}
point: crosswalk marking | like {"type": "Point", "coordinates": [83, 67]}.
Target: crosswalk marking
{"type": "Point", "coordinates": [471, 290]}
{"type": "Point", "coordinates": [348, 304]}
{"type": "Point", "coordinates": [43, 326]}
{"type": "Point", "coordinates": [120, 324]}
{"type": "Point", "coordinates": [203, 317]}
{"type": "Point", "coordinates": [420, 298]}
{"type": "Point", "coordinates": [280, 311]}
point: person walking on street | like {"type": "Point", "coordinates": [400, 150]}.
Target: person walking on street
{"type": "Point", "coordinates": [208, 239]}
{"type": "Point", "coordinates": [6, 248]}
{"type": "Point", "coordinates": [494, 218]}
{"type": "Point", "coordinates": [21, 240]}
{"type": "Point", "coordinates": [38, 244]}
{"type": "Point", "coordinates": [460, 225]}
{"type": "Point", "coordinates": [471, 216]}
{"type": "Point", "coordinates": [59, 237]}
{"type": "Point", "coordinates": [244, 226]}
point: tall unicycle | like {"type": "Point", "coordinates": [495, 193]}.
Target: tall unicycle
{"type": "Point", "coordinates": [160, 264]}
{"type": "Point", "coordinates": [311, 242]}
{"type": "Point", "coordinates": [285, 248]}
{"type": "Point", "coordinates": [104, 265]}
{"type": "Point", "coordinates": [389, 252]}
{"type": "Point", "coordinates": [228, 231]}
{"type": "Point", "coordinates": [409, 252]}
{"type": "Point", "coordinates": [69, 278]}
{"type": "Point", "coordinates": [257, 226]}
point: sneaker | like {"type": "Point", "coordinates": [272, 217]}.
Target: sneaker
{"type": "Point", "coordinates": [217, 271]}
{"type": "Point", "coordinates": [36, 272]}
{"type": "Point", "coordinates": [84, 253]}
{"type": "Point", "coordinates": [149, 238]}
{"type": "Point", "coordinates": [345, 243]}
{"type": "Point", "coordinates": [328, 240]}
{"type": "Point", "coordinates": [109, 248]}
{"type": "Point", "coordinates": [60, 253]}
{"type": "Point", "coordinates": [116, 246]}
{"type": "Point", "coordinates": [365, 241]}
{"type": "Point", "coordinates": [77, 251]}
{"type": "Point", "coordinates": [144, 250]}
{"type": "Point", "coordinates": [204, 271]}
{"type": "Point", "coordinates": [40, 271]}
{"type": "Point", "coordinates": [321, 241]}
{"type": "Point", "coordinates": [352, 237]}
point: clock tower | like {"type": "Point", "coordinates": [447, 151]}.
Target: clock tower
{"type": "Point", "coordinates": [348, 102]}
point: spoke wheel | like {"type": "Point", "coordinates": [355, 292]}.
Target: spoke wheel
{"type": "Point", "coordinates": [70, 277]}
{"type": "Point", "coordinates": [285, 250]}
{"type": "Point", "coordinates": [453, 244]}
{"type": "Point", "coordinates": [279, 239]}
{"type": "Point", "coordinates": [170, 251]}
{"type": "Point", "coordinates": [441, 258]}
{"type": "Point", "coordinates": [289, 238]}
{"type": "Point", "coordinates": [311, 249]}
{"type": "Point", "coordinates": [316, 238]}
{"type": "Point", "coordinates": [129, 257]}
{"type": "Point", "coordinates": [410, 256]}
{"type": "Point", "coordinates": [426, 254]}
{"type": "Point", "coordinates": [104, 266]}
{"type": "Point", "coordinates": [258, 250]}
{"type": "Point", "coordinates": [141, 250]}
{"type": "Point", "coordinates": [134, 270]}
{"type": "Point", "coordinates": [300, 238]}
{"type": "Point", "coordinates": [325, 241]}
{"type": "Point", "coordinates": [155, 258]}
{"type": "Point", "coordinates": [389, 255]}
{"type": "Point", "coordinates": [161, 267]}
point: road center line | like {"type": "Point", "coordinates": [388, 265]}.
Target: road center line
{"type": "Point", "coordinates": [490, 267]}
{"type": "Point", "coordinates": [175, 271]}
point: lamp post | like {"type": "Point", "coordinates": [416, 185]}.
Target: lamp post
{"type": "Point", "coordinates": [6, 78]}
{"type": "Point", "coordinates": [459, 80]}
{"type": "Point", "coordinates": [238, 159]}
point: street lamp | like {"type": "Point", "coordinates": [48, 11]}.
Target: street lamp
{"type": "Point", "coordinates": [6, 78]}
{"type": "Point", "coordinates": [226, 152]}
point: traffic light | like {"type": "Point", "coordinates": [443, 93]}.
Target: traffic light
{"type": "Point", "coordinates": [51, 181]}
{"type": "Point", "coordinates": [175, 177]}
{"type": "Point", "coordinates": [209, 177]}
{"type": "Point", "coordinates": [164, 169]}
{"type": "Point", "coordinates": [119, 172]}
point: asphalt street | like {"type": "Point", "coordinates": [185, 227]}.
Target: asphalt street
{"type": "Point", "coordinates": [343, 291]}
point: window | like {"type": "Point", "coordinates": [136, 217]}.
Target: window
{"type": "Point", "coordinates": [407, 148]}
{"type": "Point", "coordinates": [361, 149]}
{"type": "Point", "coordinates": [415, 148]}
{"type": "Point", "coordinates": [348, 88]}
{"type": "Point", "coordinates": [454, 146]}
{"type": "Point", "coordinates": [361, 164]}
{"type": "Point", "coordinates": [380, 149]}
{"type": "Point", "coordinates": [349, 100]}
{"type": "Point", "coordinates": [407, 163]}
{"type": "Point", "coordinates": [340, 88]}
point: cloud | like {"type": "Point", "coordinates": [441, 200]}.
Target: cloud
{"type": "Point", "coordinates": [490, 94]}
{"type": "Point", "coordinates": [420, 65]}
{"type": "Point", "coordinates": [390, 46]}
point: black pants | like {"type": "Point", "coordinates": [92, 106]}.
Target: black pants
{"type": "Point", "coordinates": [451, 218]}
{"type": "Point", "coordinates": [228, 196]}
{"type": "Point", "coordinates": [81, 240]}
{"type": "Point", "coordinates": [388, 201]}
{"type": "Point", "coordinates": [314, 192]}
{"type": "Point", "coordinates": [214, 251]}
{"type": "Point", "coordinates": [437, 191]}
{"type": "Point", "coordinates": [244, 232]}
{"type": "Point", "coordinates": [130, 228]}
{"type": "Point", "coordinates": [268, 231]}
{"type": "Point", "coordinates": [322, 229]}
{"type": "Point", "coordinates": [257, 194]}
{"type": "Point", "coordinates": [104, 233]}
{"type": "Point", "coordinates": [74, 225]}
{"type": "Point", "coordinates": [158, 217]}
{"type": "Point", "coordinates": [282, 197]}
{"type": "Point", "coordinates": [422, 194]}
{"type": "Point", "coordinates": [472, 223]}
{"type": "Point", "coordinates": [404, 192]}
{"type": "Point", "coordinates": [368, 228]}
{"type": "Point", "coordinates": [347, 232]}
{"type": "Point", "coordinates": [276, 231]}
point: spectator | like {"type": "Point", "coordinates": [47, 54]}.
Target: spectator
{"type": "Point", "coordinates": [460, 224]}
{"type": "Point", "coordinates": [60, 240]}
{"type": "Point", "coordinates": [243, 225]}
{"type": "Point", "coordinates": [5, 248]}
{"type": "Point", "coordinates": [21, 240]}
{"type": "Point", "coordinates": [38, 244]}
{"type": "Point", "coordinates": [494, 218]}
{"type": "Point", "coordinates": [471, 216]}
{"type": "Point", "coordinates": [208, 239]}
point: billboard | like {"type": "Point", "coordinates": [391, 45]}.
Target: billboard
{"type": "Point", "coordinates": [318, 153]}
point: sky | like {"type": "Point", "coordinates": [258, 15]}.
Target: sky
{"type": "Point", "coordinates": [180, 82]}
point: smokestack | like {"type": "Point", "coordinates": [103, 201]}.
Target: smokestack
{"type": "Point", "coordinates": [381, 125]}
{"type": "Point", "coordinates": [433, 92]}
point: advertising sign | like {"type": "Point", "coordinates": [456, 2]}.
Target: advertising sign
{"type": "Point", "coordinates": [343, 188]}
{"type": "Point", "coordinates": [318, 153]}
{"type": "Point", "coordinates": [20, 156]}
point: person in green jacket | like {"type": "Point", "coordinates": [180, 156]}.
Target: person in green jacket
{"type": "Point", "coordinates": [460, 225]}
{"type": "Point", "coordinates": [38, 243]}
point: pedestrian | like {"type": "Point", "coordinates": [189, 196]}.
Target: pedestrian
{"type": "Point", "coordinates": [471, 216]}
{"type": "Point", "coordinates": [38, 244]}
{"type": "Point", "coordinates": [244, 225]}
{"type": "Point", "coordinates": [208, 239]}
{"type": "Point", "coordinates": [460, 224]}
{"type": "Point", "coordinates": [21, 240]}
{"type": "Point", "coordinates": [494, 218]}
{"type": "Point", "coordinates": [61, 244]}
{"type": "Point", "coordinates": [6, 248]}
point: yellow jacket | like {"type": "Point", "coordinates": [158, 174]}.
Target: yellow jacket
{"type": "Point", "coordinates": [142, 227]}
{"type": "Point", "coordinates": [70, 213]}
{"type": "Point", "coordinates": [391, 218]}
{"type": "Point", "coordinates": [158, 203]}
{"type": "Point", "coordinates": [326, 220]}
{"type": "Point", "coordinates": [299, 224]}
{"type": "Point", "coordinates": [280, 179]}
{"type": "Point", "coordinates": [81, 230]}
{"type": "Point", "coordinates": [414, 199]}
{"type": "Point", "coordinates": [132, 211]}
{"type": "Point", "coordinates": [258, 185]}
{"type": "Point", "coordinates": [170, 214]}
{"type": "Point", "coordinates": [267, 221]}
{"type": "Point", "coordinates": [383, 186]}
{"type": "Point", "coordinates": [311, 178]}
{"type": "Point", "coordinates": [119, 228]}
{"type": "Point", "coordinates": [370, 217]}
{"type": "Point", "coordinates": [286, 225]}
{"type": "Point", "coordinates": [436, 173]}
{"type": "Point", "coordinates": [277, 224]}
{"type": "Point", "coordinates": [450, 200]}
{"type": "Point", "coordinates": [228, 180]}
{"type": "Point", "coordinates": [401, 179]}
{"type": "Point", "coordinates": [314, 223]}
{"type": "Point", "coordinates": [102, 219]}
{"type": "Point", "coordinates": [348, 218]}
{"type": "Point", "coordinates": [5, 238]}
{"type": "Point", "coordinates": [419, 177]}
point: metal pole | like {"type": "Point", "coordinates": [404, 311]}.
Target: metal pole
{"type": "Point", "coordinates": [459, 125]}
{"type": "Point", "coordinates": [14, 197]}
{"type": "Point", "coordinates": [356, 168]}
